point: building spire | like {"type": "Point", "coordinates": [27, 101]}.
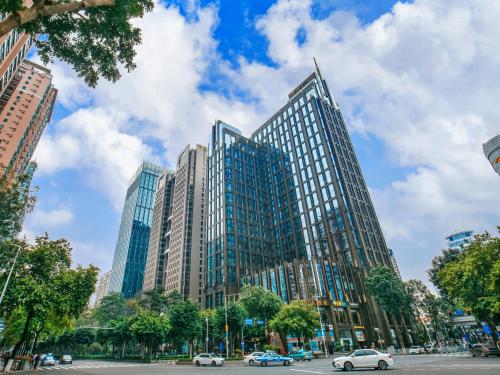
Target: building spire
{"type": "Point", "coordinates": [324, 86]}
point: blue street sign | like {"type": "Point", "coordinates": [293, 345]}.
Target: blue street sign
{"type": "Point", "coordinates": [487, 329]}
{"type": "Point", "coordinates": [2, 325]}
{"type": "Point", "coordinates": [249, 322]}
{"type": "Point", "coordinates": [459, 312]}
{"type": "Point", "coordinates": [260, 322]}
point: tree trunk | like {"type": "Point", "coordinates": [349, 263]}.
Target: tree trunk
{"type": "Point", "coordinates": [23, 335]}
{"type": "Point", "coordinates": [398, 331]}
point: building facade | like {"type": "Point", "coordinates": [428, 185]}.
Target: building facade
{"type": "Point", "coordinates": [102, 288]}
{"type": "Point", "coordinates": [289, 210]}
{"type": "Point", "coordinates": [460, 240]}
{"type": "Point", "coordinates": [492, 151]}
{"type": "Point", "coordinates": [129, 262]}
{"type": "Point", "coordinates": [184, 260]}
{"type": "Point", "coordinates": [25, 110]}
{"type": "Point", "coordinates": [160, 232]}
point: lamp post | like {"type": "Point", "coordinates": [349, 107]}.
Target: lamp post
{"type": "Point", "coordinates": [321, 327]}
{"type": "Point", "coordinates": [206, 338]}
{"type": "Point", "coordinates": [19, 247]}
{"type": "Point", "coordinates": [227, 328]}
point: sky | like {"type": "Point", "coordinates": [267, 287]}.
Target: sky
{"type": "Point", "coordinates": [417, 83]}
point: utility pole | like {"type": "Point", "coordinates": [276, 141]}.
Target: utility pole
{"type": "Point", "coordinates": [19, 247]}
{"type": "Point", "coordinates": [321, 327]}
{"type": "Point", "coordinates": [206, 339]}
{"type": "Point", "coordinates": [227, 328]}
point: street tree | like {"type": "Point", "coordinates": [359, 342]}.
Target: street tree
{"type": "Point", "coordinates": [45, 286]}
{"type": "Point", "coordinates": [94, 36]}
{"type": "Point", "coordinates": [149, 330]}
{"type": "Point", "coordinates": [438, 263]}
{"type": "Point", "coordinates": [236, 315]}
{"type": "Point", "coordinates": [259, 302]}
{"type": "Point", "coordinates": [154, 300]}
{"type": "Point", "coordinates": [15, 202]}
{"type": "Point", "coordinates": [472, 281]}
{"type": "Point", "coordinates": [299, 319]}
{"type": "Point", "coordinates": [186, 322]}
{"type": "Point", "coordinates": [112, 306]}
{"type": "Point", "coordinates": [390, 293]}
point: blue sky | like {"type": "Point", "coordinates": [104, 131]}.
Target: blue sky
{"type": "Point", "coordinates": [397, 72]}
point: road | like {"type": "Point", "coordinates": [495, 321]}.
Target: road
{"type": "Point", "coordinates": [449, 364]}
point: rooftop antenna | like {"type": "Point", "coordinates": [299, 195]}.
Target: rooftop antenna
{"type": "Point", "coordinates": [324, 85]}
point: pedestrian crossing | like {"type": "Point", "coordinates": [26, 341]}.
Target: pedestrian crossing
{"type": "Point", "coordinates": [97, 366]}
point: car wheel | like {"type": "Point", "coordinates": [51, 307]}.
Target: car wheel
{"type": "Point", "coordinates": [473, 355]}
{"type": "Point", "coordinates": [251, 363]}
{"type": "Point", "coordinates": [286, 363]}
{"type": "Point", "coordinates": [309, 359]}
{"type": "Point", "coordinates": [197, 363]}
{"type": "Point", "coordinates": [348, 366]}
{"type": "Point", "coordinates": [263, 364]}
{"type": "Point", "coordinates": [214, 363]}
{"type": "Point", "coordinates": [382, 365]}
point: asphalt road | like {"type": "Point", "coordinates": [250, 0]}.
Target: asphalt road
{"type": "Point", "coordinates": [452, 364]}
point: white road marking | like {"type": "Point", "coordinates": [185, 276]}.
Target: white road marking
{"type": "Point", "coordinates": [309, 371]}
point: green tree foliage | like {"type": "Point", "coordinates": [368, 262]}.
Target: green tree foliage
{"type": "Point", "coordinates": [472, 281]}
{"type": "Point", "coordinates": [45, 286]}
{"type": "Point", "coordinates": [259, 302]}
{"type": "Point", "coordinates": [186, 322]}
{"type": "Point", "coordinates": [388, 290]}
{"type": "Point", "coordinates": [236, 315]}
{"type": "Point", "coordinates": [149, 329]}
{"type": "Point", "coordinates": [94, 36]}
{"type": "Point", "coordinates": [154, 300]}
{"type": "Point", "coordinates": [15, 201]}
{"type": "Point", "coordinates": [299, 319]}
{"type": "Point", "coordinates": [112, 306]}
{"type": "Point", "coordinates": [391, 294]}
{"type": "Point", "coordinates": [438, 263]}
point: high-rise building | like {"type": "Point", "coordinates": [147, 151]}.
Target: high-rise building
{"type": "Point", "coordinates": [160, 232]}
{"type": "Point", "coordinates": [184, 253]}
{"type": "Point", "coordinates": [492, 151]}
{"type": "Point", "coordinates": [13, 49]}
{"type": "Point", "coordinates": [289, 210]}
{"type": "Point", "coordinates": [25, 110]}
{"type": "Point", "coordinates": [102, 288]}
{"type": "Point", "coordinates": [393, 261]}
{"type": "Point", "coordinates": [460, 240]}
{"type": "Point", "coordinates": [129, 262]}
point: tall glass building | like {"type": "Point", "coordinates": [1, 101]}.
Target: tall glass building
{"type": "Point", "coordinates": [460, 240]}
{"type": "Point", "coordinates": [129, 263]}
{"type": "Point", "coordinates": [289, 210]}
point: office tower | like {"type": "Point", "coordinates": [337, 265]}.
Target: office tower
{"type": "Point", "coordinates": [25, 110]}
{"type": "Point", "coordinates": [160, 232]}
{"type": "Point", "coordinates": [102, 288]}
{"type": "Point", "coordinates": [460, 240]}
{"type": "Point", "coordinates": [394, 264]}
{"type": "Point", "coordinates": [13, 49]}
{"type": "Point", "coordinates": [129, 262]}
{"type": "Point", "coordinates": [492, 151]}
{"type": "Point", "coordinates": [288, 209]}
{"type": "Point", "coordinates": [184, 253]}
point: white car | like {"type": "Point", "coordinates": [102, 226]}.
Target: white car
{"type": "Point", "coordinates": [204, 359]}
{"type": "Point", "coordinates": [364, 358]}
{"type": "Point", "coordinates": [250, 359]}
{"type": "Point", "coordinates": [416, 350]}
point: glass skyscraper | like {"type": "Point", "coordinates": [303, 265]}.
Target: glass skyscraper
{"type": "Point", "coordinates": [289, 210]}
{"type": "Point", "coordinates": [129, 263]}
{"type": "Point", "coordinates": [460, 240]}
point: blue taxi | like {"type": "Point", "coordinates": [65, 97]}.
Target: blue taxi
{"type": "Point", "coordinates": [270, 359]}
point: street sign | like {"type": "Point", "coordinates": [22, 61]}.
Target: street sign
{"type": "Point", "coordinates": [260, 322]}
{"type": "Point", "coordinates": [249, 322]}
{"type": "Point", "coordinates": [2, 325]}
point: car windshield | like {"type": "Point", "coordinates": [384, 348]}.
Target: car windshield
{"type": "Point", "coordinates": [351, 353]}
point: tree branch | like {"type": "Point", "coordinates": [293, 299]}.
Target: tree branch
{"type": "Point", "coordinates": [39, 9]}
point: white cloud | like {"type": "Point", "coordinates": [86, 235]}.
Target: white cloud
{"type": "Point", "coordinates": [423, 79]}
{"type": "Point", "coordinates": [51, 218]}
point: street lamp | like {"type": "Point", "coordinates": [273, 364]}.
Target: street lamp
{"type": "Point", "coordinates": [19, 247]}
{"type": "Point", "coordinates": [206, 338]}
{"type": "Point", "coordinates": [321, 327]}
